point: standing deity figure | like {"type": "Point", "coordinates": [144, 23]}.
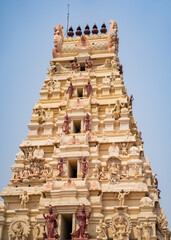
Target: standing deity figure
{"type": "Point", "coordinates": [81, 232]}
{"type": "Point", "coordinates": [24, 199]}
{"type": "Point", "coordinates": [84, 166]}
{"type": "Point", "coordinates": [87, 123]}
{"type": "Point", "coordinates": [101, 230]}
{"type": "Point", "coordinates": [58, 40]}
{"type": "Point", "coordinates": [113, 40]}
{"type": "Point", "coordinates": [65, 126]}
{"type": "Point", "coordinates": [74, 64]}
{"type": "Point", "coordinates": [117, 109]}
{"type": "Point", "coordinates": [70, 90]}
{"type": "Point", "coordinates": [121, 69]}
{"type": "Point", "coordinates": [121, 197]}
{"type": "Point", "coordinates": [89, 63]}
{"type": "Point", "coordinates": [51, 222]}
{"type": "Point", "coordinates": [114, 172]}
{"type": "Point", "coordinates": [60, 167]}
{"type": "Point", "coordinates": [88, 88]}
{"type": "Point", "coordinates": [131, 100]}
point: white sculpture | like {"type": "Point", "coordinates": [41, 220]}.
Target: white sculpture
{"type": "Point", "coordinates": [101, 230]}
{"type": "Point", "coordinates": [113, 150]}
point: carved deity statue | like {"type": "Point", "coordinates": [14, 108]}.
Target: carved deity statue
{"type": "Point", "coordinates": [103, 174]}
{"type": "Point", "coordinates": [60, 166]}
{"type": "Point", "coordinates": [58, 40]}
{"type": "Point", "coordinates": [88, 88]}
{"type": "Point", "coordinates": [70, 90]}
{"type": "Point", "coordinates": [89, 63]}
{"type": "Point", "coordinates": [75, 64]}
{"type": "Point", "coordinates": [121, 197]}
{"type": "Point", "coordinates": [84, 168]}
{"type": "Point", "coordinates": [113, 40]}
{"type": "Point", "coordinates": [38, 153]}
{"type": "Point", "coordinates": [117, 109]}
{"type": "Point", "coordinates": [24, 199]}
{"type": "Point", "coordinates": [131, 100]}
{"type": "Point", "coordinates": [113, 150]}
{"type": "Point", "coordinates": [51, 222]}
{"type": "Point", "coordinates": [101, 230]}
{"type": "Point", "coordinates": [81, 232]}
{"type": "Point", "coordinates": [87, 123]}
{"type": "Point", "coordinates": [65, 126]}
{"type": "Point", "coordinates": [114, 172]}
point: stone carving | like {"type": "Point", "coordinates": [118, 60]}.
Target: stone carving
{"type": "Point", "coordinates": [60, 167]}
{"type": "Point", "coordinates": [88, 88]}
{"type": "Point", "coordinates": [65, 126]}
{"type": "Point", "coordinates": [51, 222]}
{"type": "Point", "coordinates": [146, 202]}
{"type": "Point", "coordinates": [114, 169]}
{"type": "Point", "coordinates": [83, 43]}
{"type": "Point", "coordinates": [41, 113]}
{"type": "Point", "coordinates": [78, 104]}
{"type": "Point", "coordinates": [101, 230]}
{"type": "Point", "coordinates": [56, 68]}
{"type": "Point", "coordinates": [84, 167]}
{"type": "Point", "coordinates": [124, 173]}
{"type": "Point", "coordinates": [135, 171]}
{"type": "Point", "coordinates": [106, 81]}
{"type": "Point", "coordinates": [74, 141]}
{"type": "Point", "coordinates": [87, 123]}
{"type": "Point", "coordinates": [108, 110]}
{"type": "Point", "coordinates": [134, 151]}
{"type": "Point", "coordinates": [24, 199]}
{"type": "Point", "coordinates": [38, 153]}
{"type": "Point", "coordinates": [113, 40]}
{"type": "Point", "coordinates": [19, 229]}
{"type": "Point", "coordinates": [19, 156]}
{"type": "Point", "coordinates": [103, 174]}
{"type": "Point", "coordinates": [107, 64]}
{"type": "Point", "coordinates": [75, 64]}
{"type": "Point", "coordinates": [117, 109]}
{"type": "Point", "coordinates": [96, 172]}
{"type": "Point", "coordinates": [120, 226]}
{"type": "Point", "coordinates": [139, 140]}
{"type": "Point", "coordinates": [113, 150]}
{"type": "Point", "coordinates": [121, 197]}
{"type": "Point", "coordinates": [37, 232]}
{"type": "Point", "coordinates": [81, 232]}
{"type": "Point", "coordinates": [70, 90]}
{"type": "Point", "coordinates": [144, 230]}
{"type": "Point", "coordinates": [131, 100]}
{"type": "Point", "coordinates": [16, 176]}
{"type": "Point", "coordinates": [89, 63]}
{"type": "Point", "coordinates": [69, 185]}
{"type": "Point", "coordinates": [58, 40]}
{"type": "Point", "coordinates": [124, 148]}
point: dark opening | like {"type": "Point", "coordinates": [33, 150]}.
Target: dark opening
{"type": "Point", "coordinates": [82, 68]}
{"type": "Point", "coordinates": [77, 126]}
{"type": "Point", "coordinates": [72, 168]}
{"type": "Point", "coordinates": [80, 92]}
{"type": "Point", "coordinates": [66, 226]}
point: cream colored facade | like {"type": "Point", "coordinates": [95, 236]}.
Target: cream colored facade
{"type": "Point", "coordinates": [119, 185]}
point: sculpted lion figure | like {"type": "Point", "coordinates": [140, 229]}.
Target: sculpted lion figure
{"type": "Point", "coordinates": [58, 40]}
{"type": "Point", "coordinates": [113, 40]}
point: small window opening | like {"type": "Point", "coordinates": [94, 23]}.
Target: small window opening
{"type": "Point", "coordinates": [66, 226]}
{"type": "Point", "coordinates": [77, 126]}
{"type": "Point", "coordinates": [72, 168]}
{"type": "Point", "coordinates": [80, 92]}
{"type": "Point", "coordinates": [82, 68]}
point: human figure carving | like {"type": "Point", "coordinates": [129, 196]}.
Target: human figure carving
{"type": "Point", "coordinates": [84, 166]}
{"type": "Point", "coordinates": [75, 64]}
{"type": "Point", "coordinates": [89, 63]}
{"type": "Point", "coordinates": [121, 69]}
{"type": "Point", "coordinates": [88, 88]}
{"type": "Point", "coordinates": [131, 100]}
{"type": "Point", "coordinates": [65, 126]}
{"type": "Point", "coordinates": [24, 199]}
{"type": "Point", "coordinates": [51, 222]}
{"type": "Point", "coordinates": [121, 197]}
{"type": "Point", "coordinates": [101, 230]}
{"type": "Point", "coordinates": [87, 123]}
{"type": "Point", "coordinates": [70, 90]}
{"type": "Point", "coordinates": [117, 109]}
{"type": "Point", "coordinates": [113, 40]}
{"type": "Point", "coordinates": [60, 166]}
{"type": "Point", "coordinates": [58, 40]}
{"type": "Point", "coordinates": [81, 232]}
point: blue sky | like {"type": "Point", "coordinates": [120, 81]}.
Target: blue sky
{"type": "Point", "coordinates": [26, 44]}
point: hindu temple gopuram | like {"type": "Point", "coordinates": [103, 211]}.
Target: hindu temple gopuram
{"type": "Point", "coordinates": [81, 173]}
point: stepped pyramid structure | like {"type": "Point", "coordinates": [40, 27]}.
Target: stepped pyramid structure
{"type": "Point", "coordinates": [82, 172]}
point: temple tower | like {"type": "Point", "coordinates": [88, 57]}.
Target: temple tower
{"type": "Point", "coordinates": [83, 159]}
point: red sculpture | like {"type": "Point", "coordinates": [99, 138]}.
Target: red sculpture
{"type": "Point", "coordinates": [87, 123]}
{"type": "Point", "coordinates": [89, 63]}
{"type": "Point", "coordinates": [60, 166]}
{"type": "Point", "coordinates": [84, 166]}
{"type": "Point", "coordinates": [82, 232]}
{"type": "Point", "coordinates": [65, 126]}
{"type": "Point", "coordinates": [70, 90]}
{"type": "Point", "coordinates": [131, 100]}
{"type": "Point", "coordinates": [75, 65]}
{"type": "Point", "coordinates": [120, 69]}
{"type": "Point", "coordinates": [88, 88]}
{"type": "Point", "coordinates": [51, 224]}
